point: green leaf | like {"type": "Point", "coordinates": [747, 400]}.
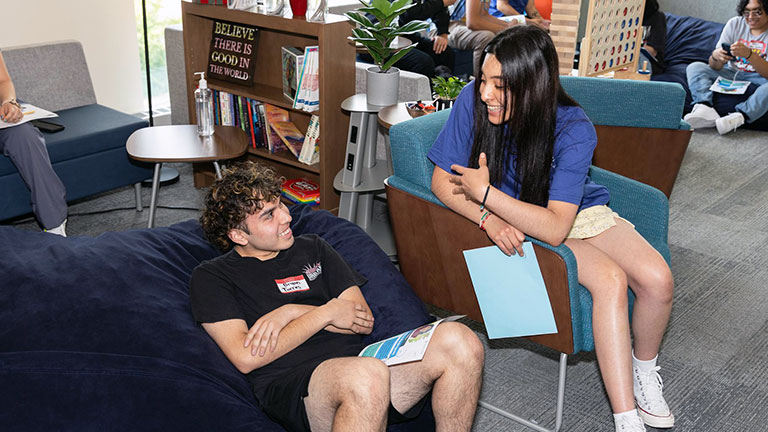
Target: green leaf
{"type": "Point", "coordinates": [397, 56]}
{"type": "Point", "coordinates": [359, 19]}
{"type": "Point", "coordinates": [413, 27]}
{"type": "Point", "coordinates": [397, 4]}
{"type": "Point", "coordinates": [383, 5]}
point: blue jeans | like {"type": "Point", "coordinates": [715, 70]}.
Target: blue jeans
{"type": "Point", "coordinates": [701, 77]}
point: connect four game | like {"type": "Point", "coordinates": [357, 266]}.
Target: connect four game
{"type": "Point", "coordinates": [612, 37]}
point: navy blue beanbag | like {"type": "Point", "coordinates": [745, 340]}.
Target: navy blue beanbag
{"type": "Point", "coordinates": [96, 333]}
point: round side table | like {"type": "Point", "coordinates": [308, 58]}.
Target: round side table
{"type": "Point", "coordinates": [181, 143]}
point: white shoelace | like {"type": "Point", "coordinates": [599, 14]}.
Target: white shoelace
{"type": "Point", "coordinates": [651, 386]}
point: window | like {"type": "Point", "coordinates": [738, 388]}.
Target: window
{"type": "Point", "coordinates": [160, 14]}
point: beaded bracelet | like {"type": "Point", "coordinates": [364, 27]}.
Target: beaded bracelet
{"type": "Point", "coordinates": [484, 218]}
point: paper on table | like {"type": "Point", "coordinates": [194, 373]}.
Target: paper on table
{"type": "Point", "coordinates": [726, 86]}
{"type": "Point", "coordinates": [30, 112]}
{"type": "Point", "coordinates": [511, 292]}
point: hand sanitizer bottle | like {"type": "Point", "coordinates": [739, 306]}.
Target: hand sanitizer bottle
{"type": "Point", "coordinates": [204, 107]}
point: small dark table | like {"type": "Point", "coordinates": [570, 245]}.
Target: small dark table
{"type": "Point", "coordinates": [181, 143]}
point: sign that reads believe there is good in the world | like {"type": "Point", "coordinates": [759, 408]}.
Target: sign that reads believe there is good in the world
{"type": "Point", "coordinates": [233, 52]}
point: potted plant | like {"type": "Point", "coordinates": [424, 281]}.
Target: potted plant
{"type": "Point", "coordinates": [447, 90]}
{"type": "Point", "coordinates": [382, 80]}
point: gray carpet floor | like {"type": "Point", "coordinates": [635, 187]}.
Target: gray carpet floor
{"type": "Point", "coordinates": [714, 357]}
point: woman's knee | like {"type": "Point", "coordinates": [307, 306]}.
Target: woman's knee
{"type": "Point", "coordinates": [611, 285]}
{"type": "Point", "coordinates": [655, 283]}
{"type": "Point", "coordinates": [22, 139]}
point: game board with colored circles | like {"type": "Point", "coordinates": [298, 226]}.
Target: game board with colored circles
{"type": "Point", "coordinates": [613, 36]}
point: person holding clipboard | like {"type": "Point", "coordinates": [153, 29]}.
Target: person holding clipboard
{"type": "Point", "coordinates": [514, 157]}
{"type": "Point", "coordinates": [25, 146]}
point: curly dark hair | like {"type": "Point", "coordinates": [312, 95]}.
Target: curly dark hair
{"type": "Point", "coordinates": [743, 5]}
{"type": "Point", "coordinates": [242, 190]}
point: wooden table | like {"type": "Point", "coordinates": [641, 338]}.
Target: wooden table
{"type": "Point", "coordinates": [393, 115]}
{"type": "Point", "coordinates": [181, 143]}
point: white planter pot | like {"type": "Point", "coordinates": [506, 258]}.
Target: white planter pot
{"type": "Point", "coordinates": [382, 88]}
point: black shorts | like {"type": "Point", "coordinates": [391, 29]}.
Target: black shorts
{"type": "Point", "coordinates": [284, 401]}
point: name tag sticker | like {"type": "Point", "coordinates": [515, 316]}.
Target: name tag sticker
{"type": "Point", "coordinates": [292, 284]}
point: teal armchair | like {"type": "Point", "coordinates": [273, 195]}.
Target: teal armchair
{"type": "Point", "coordinates": [430, 239]}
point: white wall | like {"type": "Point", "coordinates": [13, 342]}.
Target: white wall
{"type": "Point", "coordinates": [107, 30]}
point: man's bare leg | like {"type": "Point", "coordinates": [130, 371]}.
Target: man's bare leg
{"type": "Point", "coordinates": [349, 394]}
{"type": "Point", "coordinates": [453, 368]}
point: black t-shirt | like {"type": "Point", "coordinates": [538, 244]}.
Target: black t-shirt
{"type": "Point", "coordinates": [310, 272]}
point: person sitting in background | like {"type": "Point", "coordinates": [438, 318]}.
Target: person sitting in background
{"type": "Point", "coordinates": [432, 55]}
{"type": "Point", "coordinates": [472, 27]}
{"type": "Point", "coordinates": [746, 37]}
{"type": "Point", "coordinates": [655, 23]}
{"type": "Point", "coordinates": [435, 44]}
{"type": "Point", "coordinates": [500, 8]}
{"type": "Point", "coordinates": [25, 146]}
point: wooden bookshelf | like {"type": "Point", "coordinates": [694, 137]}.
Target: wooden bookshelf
{"type": "Point", "coordinates": [337, 82]}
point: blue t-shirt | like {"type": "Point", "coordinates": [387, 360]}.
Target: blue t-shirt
{"type": "Point", "coordinates": [575, 141]}
{"type": "Point", "coordinates": [518, 5]}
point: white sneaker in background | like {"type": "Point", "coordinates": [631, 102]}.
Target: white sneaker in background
{"type": "Point", "coordinates": [59, 230]}
{"type": "Point", "coordinates": [702, 117]}
{"type": "Point", "coordinates": [630, 424]}
{"type": "Point", "coordinates": [729, 123]}
{"type": "Point", "coordinates": [652, 407]}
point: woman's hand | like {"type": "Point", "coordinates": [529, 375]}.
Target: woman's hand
{"type": "Point", "coordinates": [10, 113]}
{"type": "Point", "coordinates": [471, 182]}
{"type": "Point", "coordinates": [508, 238]}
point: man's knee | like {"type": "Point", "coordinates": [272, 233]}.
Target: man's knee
{"type": "Point", "coordinates": [458, 343]}
{"type": "Point", "coordinates": [696, 68]}
{"type": "Point", "coordinates": [366, 381]}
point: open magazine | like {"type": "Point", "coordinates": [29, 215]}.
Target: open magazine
{"type": "Point", "coordinates": [30, 112]}
{"type": "Point", "coordinates": [727, 86]}
{"type": "Point", "coordinates": [406, 347]}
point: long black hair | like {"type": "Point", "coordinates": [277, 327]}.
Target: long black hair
{"type": "Point", "coordinates": [743, 5]}
{"type": "Point", "coordinates": [529, 69]}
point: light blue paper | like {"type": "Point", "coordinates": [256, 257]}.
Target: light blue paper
{"type": "Point", "coordinates": [511, 292]}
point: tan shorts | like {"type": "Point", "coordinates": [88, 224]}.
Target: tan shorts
{"type": "Point", "coordinates": [593, 221]}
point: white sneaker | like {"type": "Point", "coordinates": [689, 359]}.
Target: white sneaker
{"type": "Point", "coordinates": [729, 123]}
{"type": "Point", "coordinates": [702, 117]}
{"type": "Point", "coordinates": [651, 405]}
{"type": "Point", "coordinates": [59, 230]}
{"type": "Point", "coordinates": [630, 424]}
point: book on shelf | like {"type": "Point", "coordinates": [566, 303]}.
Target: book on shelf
{"type": "Point", "coordinates": [310, 151]}
{"type": "Point", "coordinates": [290, 135]}
{"type": "Point", "coordinates": [302, 191]}
{"type": "Point", "coordinates": [308, 96]}
{"type": "Point", "coordinates": [292, 60]}
{"type": "Point", "coordinates": [274, 114]}
{"type": "Point", "coordinates": [239, 111]}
